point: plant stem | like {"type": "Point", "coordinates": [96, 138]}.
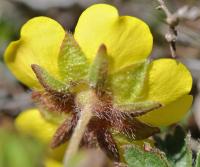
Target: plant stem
{"type": "Point", "coordinates": [86, 114]}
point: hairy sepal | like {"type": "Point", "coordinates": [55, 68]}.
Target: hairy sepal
{"type": "Point", "coordinates": [99, 69]}
{"type": "Point", "coordinates": [49, 83]}
{"type": "Point", "coordinates": [56, 95]}
{"type": "Point", "coordinates": [138, 108]}
{"type": "Point", "coordinates": [127, 84]}
{"type": "Point", "coordinates": [72, 63]}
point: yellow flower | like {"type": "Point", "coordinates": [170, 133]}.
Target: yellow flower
{"type": "Point", "coordinates": [32, 123]}
{"type": "Point", "coordinates": [128, 40]}
{"type": "Point", "coordinates": [52, 163]}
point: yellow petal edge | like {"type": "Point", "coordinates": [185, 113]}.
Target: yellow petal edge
{"type": "Point", "coordinates": [169, 114]}
{"type": "Point", "coordinates": [127, 39]}
{"type": "Point", "coordinates": [40, 41]}
{"type": "Point", "coordinates": [31, 122]}
{"type": "Point", "coordinates": [168, 81]}
{"type": "Point", "coordinates": [52, 163]}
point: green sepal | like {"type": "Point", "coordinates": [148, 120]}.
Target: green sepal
{"type": "Point", "coordinates": [138, 157]}
{"type": "Point", "coordinates": [127, 85]}
{"type": "Point", "coordinates": [139, 108]}
{"type": "Point", "coordinates": [72, 63]}
{"type": "Point", "coordinates": [99, 68]}
{"type": "Point", "coordinates": [47, 81]}
{"type": "Point", "coordinates": [135, 130]}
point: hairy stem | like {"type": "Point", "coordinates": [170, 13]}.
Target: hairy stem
{"type": "Point", "coordinates": [86, 114]}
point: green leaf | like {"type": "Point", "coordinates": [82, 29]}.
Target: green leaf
{"type": "Point", "coordinates": [176, 146]}
{"type": "Point", "coordinates": [99, 68]}
{"type": "Point", "coordinates": [198, 159]}
{"type": "Point", "coordinates": [127, 84]}
{"type": "Point", "coordinates": [48, 81]}
{"type": "Point", "coordinates": [72, 62]}
{"type": "Point", "coordinates": [137, 157]}
{"type": "Point", "coordinates": [186, 152]}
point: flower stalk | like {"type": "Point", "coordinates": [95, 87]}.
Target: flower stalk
{"type": "Point", "coordinates": [86, 100]}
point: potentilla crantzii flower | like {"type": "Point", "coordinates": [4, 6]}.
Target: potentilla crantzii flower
{"type": "Point", "coordinates": [104, 63]}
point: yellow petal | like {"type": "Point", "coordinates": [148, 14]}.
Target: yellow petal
{"type": "Point", "coordinates": [31, 122]}
{"type": "Point", "coordinates": [168, 81]}
{"type": "Point", "coordinates": [169, 114]}
{"type": "Point", "coordinates": [40, 42]}
{"type": "Point", "coordinates": [127, 39]}
{"type": "Point", "coordinates": [58, 152]}
{"type": "Point", "coordinates": [52, 163]}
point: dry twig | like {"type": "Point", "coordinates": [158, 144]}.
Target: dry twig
{"type": "Point", "coordinates": [172, 19]}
